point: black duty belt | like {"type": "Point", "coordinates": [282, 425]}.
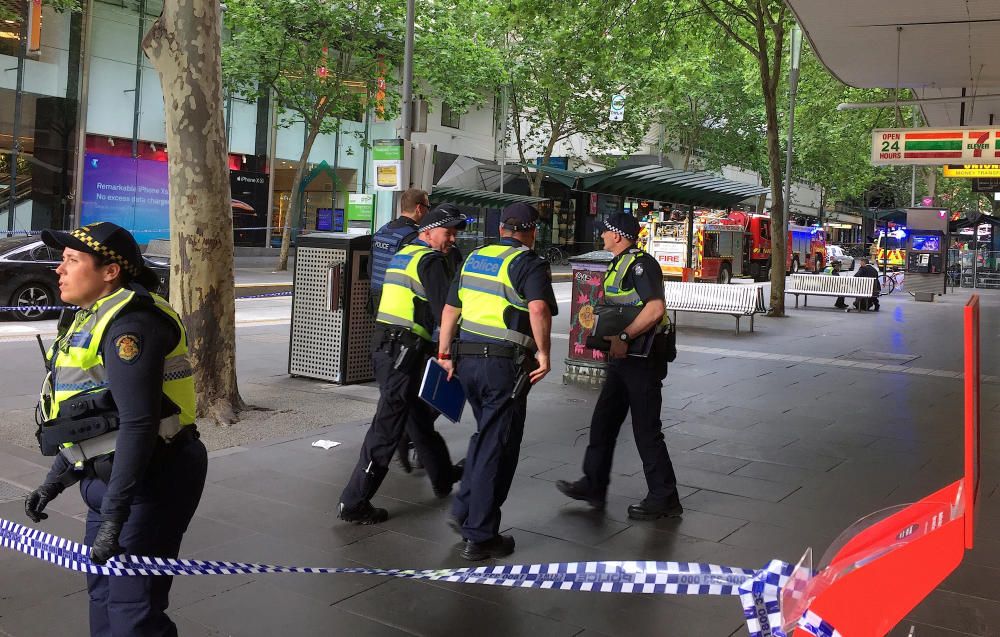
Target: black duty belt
{"type": "Point", "coordinates": [473, 349]}
{"type": "Point", "coordinates": [384, 335]}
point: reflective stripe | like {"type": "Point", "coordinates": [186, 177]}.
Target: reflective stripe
{"type": "Point", "coordinates": [497, 288]}
{"type": "Point", "coordinates": [504, 334]}
{"type": "Point", "coordinates": [402, 288]}
{"type": "Point", "coordinates": [487, 293]}
{"type": "Point", "coordinates": [394, 277]}
{"type": "Point", "coordinates": [614, 279]}
{"type": "Point", "coordinates": [84, 450]}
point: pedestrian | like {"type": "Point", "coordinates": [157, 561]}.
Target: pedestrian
{"type": "Point", "coordinates": [867, 270]}
{"type": "Point", "coordinates": [122, 366]}
{"type": "Point", "coordinates": [504, 299]}
{"type": "Point", "coordinates": [415, 291]}
{"type": "Point", "coordinates": [833, 269]}
{"type": "Point", "coordinates": [386, 242]}
{"type": "Point", "coordinates": [633, 383]}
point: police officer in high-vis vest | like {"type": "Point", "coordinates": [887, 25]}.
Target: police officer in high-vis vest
{"type": "Point", "coordinates": [503, 297]}
{"type": "Point", "coordinates": [633, 383]}
{"type": "Point", "coordinates": [118, 412]}
{"type": "Point", "coordinates": [413, 296]}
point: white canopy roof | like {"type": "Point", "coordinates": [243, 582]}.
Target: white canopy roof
{"type": "Point", "coordinates": [944, 45]}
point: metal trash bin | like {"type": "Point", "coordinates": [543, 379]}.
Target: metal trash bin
{"type": "Point", "coordinates": [331, 328]}
{"type": "Point", "coordinates": [583, 364]}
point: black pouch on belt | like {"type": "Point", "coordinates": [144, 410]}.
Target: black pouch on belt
{"type": "Point", "coordinates": [526, 363]}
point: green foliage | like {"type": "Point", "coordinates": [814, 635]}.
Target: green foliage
{"type": "Point", "coordinates": [565, 60]}
{"type": "Point", "coordinates": [455, 57]}
{"type": "Point", "coordinates": [321, 58]}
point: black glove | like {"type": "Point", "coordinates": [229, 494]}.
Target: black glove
{"type": "Point", "coordinates": [34, 502]}
{"type": "Point", "coordinates": [106, 542]}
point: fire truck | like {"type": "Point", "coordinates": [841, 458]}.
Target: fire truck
{"type": "Point", "coordinates": [736, 245]}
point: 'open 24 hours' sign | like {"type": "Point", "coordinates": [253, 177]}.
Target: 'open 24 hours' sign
{"type": "Point", "coordinates": [935, 146]}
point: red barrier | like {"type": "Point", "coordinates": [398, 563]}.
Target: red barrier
{"type": "Point", "coordinates": [887, 563]}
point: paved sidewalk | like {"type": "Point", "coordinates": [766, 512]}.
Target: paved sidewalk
{"type": "Point", "coordinates": [781, 439]}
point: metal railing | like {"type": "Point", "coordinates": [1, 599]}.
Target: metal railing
{"type": "Point", "coordinates": [974, 269]}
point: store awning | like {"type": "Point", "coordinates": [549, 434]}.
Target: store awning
{"type": "Point", "coordinates": [565, 177]}
{"type": "Point", "coordinates": [485, 198]}
{"type": "Point", "coordinates": [670, 185]}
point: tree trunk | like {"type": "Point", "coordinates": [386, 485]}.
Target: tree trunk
{"type": "Point", "coordinates": [292, 216]}
{"type": "Point", "coordinates": [779, 225]}
{"type": "Point", "coordinates": [930, 179]}
{"type": "Point", "coordinates": [184, 46]}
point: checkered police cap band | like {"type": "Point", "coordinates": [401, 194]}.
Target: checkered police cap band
{"type": "Point", "coordinates": [518, 226]}
{"type": "Point", "coordinates": [616, 230]}
{"type": "Point", "coordinates": [83, 235]}
{"type": "Point", "coordinates": [444, 221]}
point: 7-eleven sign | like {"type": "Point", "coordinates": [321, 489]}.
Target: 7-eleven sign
{"type": "Point", "coordinates": [932, 146]}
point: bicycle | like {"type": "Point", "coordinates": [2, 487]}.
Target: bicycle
{"type": "Point", "coordinates": [555, 256]}
{"type": "Point", "coordinates": [888, 282]}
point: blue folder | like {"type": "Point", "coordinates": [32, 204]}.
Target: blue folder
{"type": "Point", "coordinates": [446, 396]}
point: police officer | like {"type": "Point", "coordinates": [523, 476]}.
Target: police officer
{"type": "Point", "coordinates": [414, 294]}
{"type": "Point", "coordinates": [121, 365]}
{"type": "Point", "coordinates": [633, 383]}
{"type": "Point", "coordinates": [386, 242]}
{"type": "Point", "coordinates": [833, 269]}
{"type": "Point", "coordinates": [503, 296]}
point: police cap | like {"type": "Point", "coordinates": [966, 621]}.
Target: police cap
{"type": "Point", "coordinates": [106, 239]}
{"type": "Point", "coordinates": [519, 217]}
{"type": "Point", "coordinates": [443, 215]}
{"type": "Point", "coordinates": [624, 224]}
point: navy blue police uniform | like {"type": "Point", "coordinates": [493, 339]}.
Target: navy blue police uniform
{"type": "Point", "coordinates": [386, 242]}
{"type": "Point", "coordinates": [488, 376]}
{"type": "Point", "coordinates": [399, 357]}
{"type": "Point", "coordinates": [633, 385]}
{"type": "Point", "coordinates": [148, 489]}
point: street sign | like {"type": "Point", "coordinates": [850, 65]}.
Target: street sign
{"type": "Point", "coordinates": [985, 185]}
{"type": "Point", "coordinates": [935, 146]}
{"type": "Point", "coordinates": [617, 108]}
{"type": "Point", "coordinates": [972, 170]}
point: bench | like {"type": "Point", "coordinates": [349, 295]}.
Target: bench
{"type": "Point", "coordinates": [826, 285]}
{"type": "Point", "coordinates": [715, 298]}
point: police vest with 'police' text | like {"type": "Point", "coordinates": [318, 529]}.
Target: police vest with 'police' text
{"type": "Point", "coordinates": [487, 294]}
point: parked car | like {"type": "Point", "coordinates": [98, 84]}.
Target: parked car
{"type": "Point", "coordinates": [836, 253]}
{"type": "Point", "coordinates": [28, 278]}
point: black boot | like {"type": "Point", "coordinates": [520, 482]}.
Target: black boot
{"type": "Point", "coordinates": [364, 513]}
{"type": "Point", "coordinates": [576, 491]}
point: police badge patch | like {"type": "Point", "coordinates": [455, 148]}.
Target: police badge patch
{"type": "Point", "coordinates": [128, 347]}
{"type": "Point", "coordinates": [638, 269]}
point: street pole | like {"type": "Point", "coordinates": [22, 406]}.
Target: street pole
{"type": "Point", "coordinates": [22, 53]}
{"type": "Point", "coordinates": [503, 134]}
{"type": "Point", "coordinates": [407, 113]}
{"type": "Point", "coordinates": [793, 83]}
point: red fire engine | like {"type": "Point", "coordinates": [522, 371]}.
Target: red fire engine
{"type": "Point", "coordinates": [737, 245]}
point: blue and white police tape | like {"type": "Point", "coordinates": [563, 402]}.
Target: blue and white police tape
{"type": "Point", "coordinates": [759, 590]}
{"type": "Point", "coordinates": [56, 308]}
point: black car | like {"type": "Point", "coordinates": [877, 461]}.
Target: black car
{"type": "Point", "coordinates": [28, 278]}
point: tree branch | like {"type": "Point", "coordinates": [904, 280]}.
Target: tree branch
{"type": "Point", "coordinates": [728, 29]}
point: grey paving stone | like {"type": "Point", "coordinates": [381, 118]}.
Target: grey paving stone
{"type": "Point", "coordinates": [957, 612]}
{"type": "Point", "coordinates": [786, 455]}
{"type": "Point", "coordinates": [250, 611]}
{"type": "Point", "coordinates": [748, 487]}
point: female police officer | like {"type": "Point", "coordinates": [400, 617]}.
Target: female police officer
{"type": "Point", "coordinates": [123, 362]}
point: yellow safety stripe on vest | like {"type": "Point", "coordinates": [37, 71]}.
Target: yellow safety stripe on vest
{"type": "Point", "coordinates": [79, 366]}
{"type": "Point", "coordinates": [401, 288]}
{"type": "Point", "coordinates": [486, 292]}
{"type": "Point", "coordinates": [615, 277]}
